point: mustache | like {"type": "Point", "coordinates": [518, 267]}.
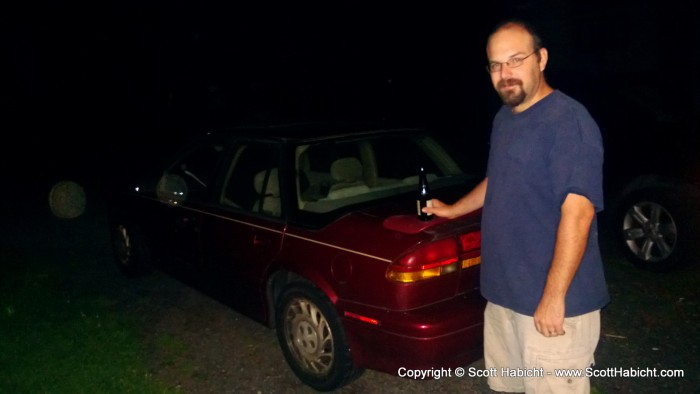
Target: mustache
{"type": "Point", "coordinates": [509, 82]}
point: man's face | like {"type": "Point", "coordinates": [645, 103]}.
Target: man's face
{"type": "Point", "coordinates": [516, 86]}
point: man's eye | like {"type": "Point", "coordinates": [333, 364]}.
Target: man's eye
{"type": "Point", "coordinates": [516, 60]}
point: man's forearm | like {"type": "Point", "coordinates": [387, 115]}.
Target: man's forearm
{"type": "Point", "coordinates": [577, 214]}
{"type": "Point", "coordinates": [572, 238]}
{"type": "Point", "coordinates": [472, 200]}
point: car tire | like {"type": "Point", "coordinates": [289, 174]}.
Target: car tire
{"type": "Point", "coordinates": [655, 228]}
{"type": "Point", "coordinates": [312, 339]}
{"type": "Point", "coordinates": [130, 253]}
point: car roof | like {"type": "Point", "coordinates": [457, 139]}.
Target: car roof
{"type": "Point", "coordinates": [314, 131]}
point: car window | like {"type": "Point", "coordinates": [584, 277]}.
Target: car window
{"type": "Point", "coordinates": [332, 175]}
{"type": "Point", "coordinates": [413, 156]}
{"type": "Point", "coordinates": [252, 180]}
{"type": "Point", "coordinates": [198, 168]}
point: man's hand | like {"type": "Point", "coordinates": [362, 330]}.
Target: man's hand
{"type": "Point", "coordinates": [549, 316]}
{"type": "Point", "coordinates": [440, 209]}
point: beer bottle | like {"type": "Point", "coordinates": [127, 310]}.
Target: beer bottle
{"type": "Point", "coordinates": [423, 198]}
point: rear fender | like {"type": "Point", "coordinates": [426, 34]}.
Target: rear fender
{"type": "Point", "coordinates": [282, 278]}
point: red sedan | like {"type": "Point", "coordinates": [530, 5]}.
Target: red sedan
{"type": "Point", "coordinates": [313, 230]}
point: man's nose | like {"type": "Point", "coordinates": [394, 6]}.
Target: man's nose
{"type": "Point", "coordinates": [506, 71]}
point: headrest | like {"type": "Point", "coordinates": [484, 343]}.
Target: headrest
{"type": "Point", "coordinates": [304, 162]}
{"type": "Point", "coordinates": [347, 169]}
{"type": "Point", "coordinates": [273, 184]}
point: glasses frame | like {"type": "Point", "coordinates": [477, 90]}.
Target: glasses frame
{"type": "Point", "coordinates": [511, 63]}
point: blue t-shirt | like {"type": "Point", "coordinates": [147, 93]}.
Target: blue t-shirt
{"type": "Point", "coordinates": [537, 157]}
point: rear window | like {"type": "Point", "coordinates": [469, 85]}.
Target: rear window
{"type": "Point", "coordinates": [334, 175]}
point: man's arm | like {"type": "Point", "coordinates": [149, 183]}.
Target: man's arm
{"type": "Point", "coordinates": [470, 202]}
{"type": "Point", "coordinates": [577, 213]}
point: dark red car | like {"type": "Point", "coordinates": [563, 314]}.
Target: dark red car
{"type": "Point", "coordinates": [313, 230]}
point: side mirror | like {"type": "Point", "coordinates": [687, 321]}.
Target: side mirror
{"type": "Point", "coordinates": [171, 189]}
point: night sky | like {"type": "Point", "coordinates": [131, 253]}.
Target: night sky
{"type": "Point", "coordinates": [89, 85]}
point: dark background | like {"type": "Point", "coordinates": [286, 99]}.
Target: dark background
{"type": "Point", "coordinates": [91, 87]}
{"type": "Point", "coordinates": [92, 90]}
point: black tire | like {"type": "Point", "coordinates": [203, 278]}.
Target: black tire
{"type": "Point", "coordinates": [655, 228]}
{"type": "Point", "coordinates": [130, 253]}
{"type": "Point", "coordinates": [312, 339]}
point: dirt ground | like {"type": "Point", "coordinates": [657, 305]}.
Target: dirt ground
{"type": "Point", "coordinates": [198, 345]}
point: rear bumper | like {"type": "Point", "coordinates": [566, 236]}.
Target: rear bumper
{"type": "Point", "coordinates": [448, 334]}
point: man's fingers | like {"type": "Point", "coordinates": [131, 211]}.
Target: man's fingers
{"type": "Point", "coordinates": [549, 330]}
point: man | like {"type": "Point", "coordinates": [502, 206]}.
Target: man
{"type": "Point", "coordinates": [541, 271]}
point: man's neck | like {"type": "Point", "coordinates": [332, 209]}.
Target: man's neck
{"type": "Point", "coordinates": [543, 91]}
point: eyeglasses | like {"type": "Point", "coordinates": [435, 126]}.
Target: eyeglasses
{"type": "Point", "coordinates": [495, 67]}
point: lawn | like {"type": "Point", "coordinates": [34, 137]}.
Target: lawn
{"type": "Point", "coordinates": [56, 339]}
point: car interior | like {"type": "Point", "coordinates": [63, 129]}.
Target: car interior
{"type": "Point", "coordinates": [334, 175]}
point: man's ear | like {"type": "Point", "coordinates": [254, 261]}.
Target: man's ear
{"type": "Point", "coordinates": [544, 57]}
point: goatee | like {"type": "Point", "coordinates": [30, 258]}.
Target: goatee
{"type": "Point", "coordinates": [511, 98]}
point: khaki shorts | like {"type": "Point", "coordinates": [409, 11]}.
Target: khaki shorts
{"type": "Point", "coordinates": [520, 359]}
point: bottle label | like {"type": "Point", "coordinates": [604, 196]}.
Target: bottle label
{"type": "Point", "coordinates": [428, 203]}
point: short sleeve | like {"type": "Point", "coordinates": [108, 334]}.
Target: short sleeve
{"type": "Point", "coordinates": [576, 158]}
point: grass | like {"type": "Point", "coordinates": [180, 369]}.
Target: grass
{"type": "Point", "coordinates": [55, 340]}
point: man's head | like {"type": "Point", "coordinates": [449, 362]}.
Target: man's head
{"type": "Point", "coordinates": [516, 63]}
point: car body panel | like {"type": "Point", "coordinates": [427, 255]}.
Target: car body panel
{"type": "Point", "coordinates": [445, 335]}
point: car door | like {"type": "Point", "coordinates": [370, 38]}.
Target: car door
{"type": "Point", "coordinates": [243, 233]}
{"type": "Point", "coordinates": [175, 227]}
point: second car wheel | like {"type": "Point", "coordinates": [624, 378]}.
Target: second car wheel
{"type": "Point", "coordinates": [130, 252]}
{"type": "Point", "coordinates": [312, 338]}
{"type": "Point", "coordinates": [655, 229]}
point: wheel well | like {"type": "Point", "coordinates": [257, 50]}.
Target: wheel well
{"type": "Point", "coordinates": [276, 284]}
{"type": "Point", "coordinates": [645, 184]}
{"type": "Point", "coordinates": [651, 181]}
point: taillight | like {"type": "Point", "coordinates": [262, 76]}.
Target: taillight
{"type": "Point", "coordinates": [429, 261]}
{"type": "Point", "coordinates": [470, 242]}
{"type": "Point", "coordinates": [437, 259]}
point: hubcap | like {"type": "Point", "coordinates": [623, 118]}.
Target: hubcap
{"type": "Point", "coordinates": [650, 231]}
{"type": "Point", "coordinates": [122, 245]}
{"type": "Point", "coordinates": [309, 336]}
